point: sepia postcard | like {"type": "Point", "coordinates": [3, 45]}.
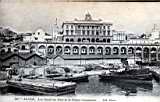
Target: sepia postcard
{"type": "Point", "coordinates": [79, 51]}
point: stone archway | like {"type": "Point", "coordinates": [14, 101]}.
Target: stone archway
{"type": "Point", "coordinates": [100, 50]}
{"type": "Point", "coordinates": [107, 51]}
{"type": "Point", "coordinates": [75, 50]}
{"type": "Point", "coordinates": [131, 51]}
{"type": "Point", "coordinates": [153, 52]}
{"type": "Point", "coordinates": [42, 49]}
{"type": "Point", "coordinates": [123, 50]}
{"type": "Point", "coordinates": [67, 50]}
{"type": "Point", "coordinates": [50, 49]}
{"type": "Point", "coordinates": [59, 50]}
{"type": "Point", "coordinates": [139, 52]}
{"type": "Point", "coordinates": [84, 50]}
{"type": "Point", "coordinates": [146, 53]}
{"type": "Point", "coordinates": [115, 50]}
{"type": "Point", "coordinates": [91, 50]}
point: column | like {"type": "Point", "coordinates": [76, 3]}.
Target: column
{"type": "Point", "coordinates": [80, 50]}
{"type": "Point", "coordinates": [54, 50]}
{"type": "Point", "coordinates": [87, 50]}
{"type": "Point", "coordinates": [71, 49]}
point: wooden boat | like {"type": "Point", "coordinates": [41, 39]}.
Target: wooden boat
{"type": "Point", "coordinates": [131, 75]}
{"type": "Point", "coordinates": [73, 78]}
{"type": "Point", "coordinates": [53, 75]}
{"type": "Point", "coordinates": [50, 73]}
{"type": "Point", "coordinates": [43, 87]}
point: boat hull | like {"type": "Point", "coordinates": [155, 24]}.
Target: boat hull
{"type": "Point", "coordinates": [72, 79]}
{"type": "Point", "coordinates": [143, 78]}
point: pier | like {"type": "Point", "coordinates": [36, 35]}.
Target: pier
{"type": "Point", "coordinates": [43, 87]}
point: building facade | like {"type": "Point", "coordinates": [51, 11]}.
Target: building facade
{"type": "Point", "coordinates": [95, 39]}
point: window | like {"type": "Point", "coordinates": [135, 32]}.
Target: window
{"type": "Point", "coordinates": [126, 38]}
{"type": "Point", "coordinates": [104, 32]}
{"type": "Point", "coordinates": [92, 32]}
{"type": "Point", "coordinates": [97, 39]}
{"type": "Point", "coordinates": [104, 40]}
{"type": "Point", "coordinates": [71, 32]}
{"type": "Point", "coordinates": [83, 31]}
{"type": "Point", "coordinates": [108, 41]}
{"type": "Point", "coordinates": [93, 40]}
{"type": "Point", "coordinates": [71, 40]}
{"type": "Point", "coordinates": [36, 38]}
{"type": "Point", "coordinates": [23, 47]}
{"type": "Point", "coordinates": [108, 32]}
{"type": "Point", "coordinates": [9, 50]}
{"type": "Point", "coordinates": [67, 32]}
{"type": "Point", "coordinates": [88, 39]}
{"type": "Point", "coordinates": [66, 26]}
{"type": "Point", "coordinates": [79, 39]}
{"type": "Point", "coordinates": [97, 33]}
{"type": "Point", "coordinates": [67, 40]}
{"type": "Point", "coordinates": [88, 32]}
{"type": "Point", "coordinates": [158, 56]}
{"type": "Point", "coordinates": [97, 27]}
{"type": "Point", "coordinates": [71, 26]}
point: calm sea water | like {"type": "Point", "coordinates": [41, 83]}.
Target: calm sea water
{"type": "Point", "coordinates": [98, 88]}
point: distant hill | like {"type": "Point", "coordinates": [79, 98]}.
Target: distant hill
{"type": "Point", "coordinates": [7, 35]}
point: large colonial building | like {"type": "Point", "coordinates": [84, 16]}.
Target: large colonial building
{"type": "Point", "coordinates": [94, 39]}
{"type": "Point", "coordinates": [87, 30]}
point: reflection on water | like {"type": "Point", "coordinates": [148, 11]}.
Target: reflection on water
{"type": "Point", "coordinates": [95, 87]}
{"type": "Point", "coordinates": [131, 88]}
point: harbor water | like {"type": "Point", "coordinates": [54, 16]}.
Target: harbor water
{"type": "Point", "coordinates": [95, 87]}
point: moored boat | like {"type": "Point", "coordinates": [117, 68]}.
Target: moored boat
{"type": "Point", "coordinates": [73, 78]}
{"type": "Point", "coordinates": [130, 75]}
{"type": "Point", "coordinates": [53, 75]}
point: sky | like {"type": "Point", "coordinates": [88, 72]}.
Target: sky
{"type": "Point", "coordinates": [27, 16]}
